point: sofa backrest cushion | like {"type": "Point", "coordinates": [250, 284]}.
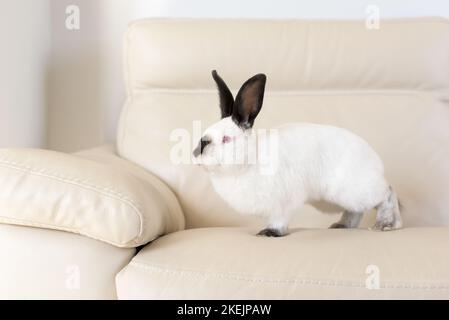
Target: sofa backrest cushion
{"type": "Point", "coordinates": [389, 85]}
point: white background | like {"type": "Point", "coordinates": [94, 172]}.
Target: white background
{"type": "Point", "coordinates": [63, 89]}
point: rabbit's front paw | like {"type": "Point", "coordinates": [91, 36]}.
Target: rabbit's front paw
{"type": "Point", "coordinates": [270, 232]}
{"type": "Point", "coordinates": [337, 225]}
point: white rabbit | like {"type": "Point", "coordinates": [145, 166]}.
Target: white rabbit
{"type": "Point", "coordinates": [314, 163]}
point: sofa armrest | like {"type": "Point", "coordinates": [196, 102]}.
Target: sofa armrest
{"type": "Point", "coordinates": [104, 198]}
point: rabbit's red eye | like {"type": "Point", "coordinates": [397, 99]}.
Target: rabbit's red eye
{"type": "Point", "coordinates": [226, 139]}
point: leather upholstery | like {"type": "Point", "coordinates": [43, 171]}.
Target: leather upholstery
{"type": "Point", "coordinates": [40, 263]}
{"type": "Point", "coordinates": [390, 86]}
{"type": "Point", "coordinates": [48, 189]}
{"type": "Point", "coordinates": [232, 263]}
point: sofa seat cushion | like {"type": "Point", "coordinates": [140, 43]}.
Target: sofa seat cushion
{"type": "Point", "coordinates": [103, 199]}
{"type": "Point", "coordinates": [233, 263]}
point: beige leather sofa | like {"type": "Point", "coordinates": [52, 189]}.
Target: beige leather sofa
{"type": "Point", "coordinates": [71, 223]}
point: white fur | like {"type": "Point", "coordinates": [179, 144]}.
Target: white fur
{"type": "Point", "coordinates": [314, 162]}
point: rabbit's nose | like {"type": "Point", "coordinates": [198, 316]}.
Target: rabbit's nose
{"type": "Point", "coordinates": [201, 145]}
{"type": "Point", "coordinates": [197, 151]}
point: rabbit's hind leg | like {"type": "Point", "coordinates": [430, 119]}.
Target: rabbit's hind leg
{"type": "Point", "coordinates": [388, 214]}
{"type": "Point", "coordinates": [348, 220]}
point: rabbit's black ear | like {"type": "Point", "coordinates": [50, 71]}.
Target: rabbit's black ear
{"type": "Point", "coordinates": [226, 97]}
{"type": "Point", "coordinates": [249, 101]}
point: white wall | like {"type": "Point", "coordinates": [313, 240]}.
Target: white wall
{"type": "Point", "coordinates": [352, 9]}
{"type": "Point", "coordinates": [75, 108]}
{"type": "Point", "coordinates": [25, 42]}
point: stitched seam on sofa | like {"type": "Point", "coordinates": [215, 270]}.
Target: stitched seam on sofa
{"type": "Point", "coordinates": [318, 282]}
{"type": "Point", "coordinates": [129, 92]}
{"type": "Point", "coordinates": [28, 169]}
{"type": "Point", "coordinates": [126, 64]}
{"type": "Point", "coordinates": [114, 193]}
{"type": "Point", "coordinates": [124, 127]}
{"type": "Point", "coordinates": [135, 207]}
{"type": "Point", "coordinates": [28, 223]}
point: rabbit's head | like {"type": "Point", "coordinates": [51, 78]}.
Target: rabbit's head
{"type": "Point", "coordinates": [226, 144]}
